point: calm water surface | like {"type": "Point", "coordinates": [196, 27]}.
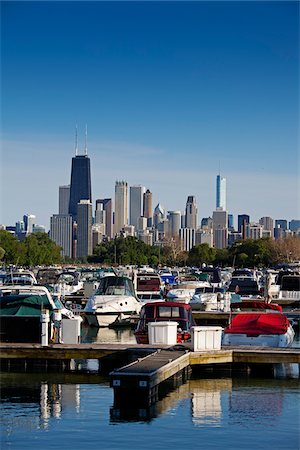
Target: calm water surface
{"type": "Point", "coordinates": [76, 411]}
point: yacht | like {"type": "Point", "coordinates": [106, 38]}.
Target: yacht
{"type": "Point", "coordinates": [113, 303]}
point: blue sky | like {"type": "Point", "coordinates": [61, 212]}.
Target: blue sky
{"type": "Point", "coordinates": [169, 91]}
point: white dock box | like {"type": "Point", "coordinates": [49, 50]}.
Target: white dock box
{"type": "Point", "coordinates": [206, 338]}
{"type": "Point", "coordinates": [162, 333]}
{"type": "Point", "coordinates": [70, 330]}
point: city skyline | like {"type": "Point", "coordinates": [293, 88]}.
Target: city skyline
{"type": "Point", "coordinates": [170, 91]}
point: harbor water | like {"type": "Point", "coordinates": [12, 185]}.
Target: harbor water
{"type": "Point", "coordinates": [53, 411]}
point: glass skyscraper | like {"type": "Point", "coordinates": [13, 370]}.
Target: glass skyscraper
{"type": "Point", "coordinates": [80, 188]}
{"type": "Point", "coordinates": [221, 193]}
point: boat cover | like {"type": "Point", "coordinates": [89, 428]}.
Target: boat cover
{"type": "Point", "coordinates": [24, 305]}
{"type": "Point", "coordinates": [254, 324]}
{"type": "Point", "coordinates": [255, 304]}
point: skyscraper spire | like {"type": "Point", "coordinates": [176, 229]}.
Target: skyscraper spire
{"type": "Point", "coordinates": [85, 147]}
{"type": "Point", "coordinates": [76, 141]}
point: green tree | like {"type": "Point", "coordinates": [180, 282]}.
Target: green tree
{"type": "Point", "coordinates": [14, 250]}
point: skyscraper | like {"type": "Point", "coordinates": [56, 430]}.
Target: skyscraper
{"type": "Point", "coordinates": [84, 229]}
{"type": "Point", "coordinates": [107, 208]}
{"type": "Point", "coordinates": [121, 206]}
{"type": "Point", "coordinates": [243, 220]}
{"type": "Point", "coordinates": [174, 218]}
{"type": "Point", "coordinates": [220, 228]}
{"type": "Point", "coordinates": [64, 199]}
{"type": "Point", "coordinates": [147, 207]}
{"type": "Point", "coordinates": [80, 188]}
{"type": "Point", "coordinates": [221, 193]}
{"type": "Point", "coordinates": [61, 232]}
{"type": "Point", "coordinates": [136, 204]}
{"type": "Point", "coordinates": [191, 212]}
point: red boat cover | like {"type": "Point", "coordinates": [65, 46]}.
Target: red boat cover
{"type": "Point", "coordinates": [255, 304]}
{"type": "Point", "coordinates": [254, 324]}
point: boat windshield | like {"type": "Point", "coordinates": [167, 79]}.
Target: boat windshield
{"type": "Point", "coordinates": [115, 286]}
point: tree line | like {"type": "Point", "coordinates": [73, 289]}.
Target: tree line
{"type": "Point", "coordinates": [39, 249]}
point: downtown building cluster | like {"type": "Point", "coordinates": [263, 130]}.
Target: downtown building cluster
{"type": "Point", "coordinates": [79, 227]}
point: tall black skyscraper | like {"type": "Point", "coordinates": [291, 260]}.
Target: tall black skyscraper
{"type": "Point", "coordinates": [80, 187]}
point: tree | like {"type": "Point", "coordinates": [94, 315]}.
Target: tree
{"type": "Point", "coordinates": [200, 254]}
{"type": "Point", "coordinates": [14, 250]}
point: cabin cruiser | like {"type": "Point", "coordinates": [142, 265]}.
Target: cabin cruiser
{"type": "Point", "coordinates": [289, 292]}
{"type": "Point", "coordinates": [68, 283]}
{"type": "Point", "coordinates": [266, 329]}
{"type": "Point", "coordinates": [165, 312]}
{"type": "Point", "coordinates": [20, 277]}
{"type": "Point", "coordinates": [147, 286]}
{"type": "Point", "coordinates": [113, 303]}
{"type": "Point", "coordinates": [209, 299]}
{"type": "Point", "coordinates": [21, 308]}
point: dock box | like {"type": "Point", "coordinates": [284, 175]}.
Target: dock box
{"type": "Point", "coordinates": [70, 330]}
{"type": "Point", "coordinates": [206, 338]}
{"type": "Point", "coordinates": [162, 333]}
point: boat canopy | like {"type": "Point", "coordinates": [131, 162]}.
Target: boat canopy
{"type": "Point", "coordinates": [24, 305]}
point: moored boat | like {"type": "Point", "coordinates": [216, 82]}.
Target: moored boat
{"type": "Point", "coordinates": [165, 312]}
{"type": "Point", "coordinates": [113, 303]}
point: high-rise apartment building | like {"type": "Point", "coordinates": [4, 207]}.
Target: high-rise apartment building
{"type": "Point", "coordinates": [221, 193]}
{"type": "Point", "coordinates": [174, 218]}
{"type": "Point", "coordinates": [61, 232]}
{"type": "Point", "coordinates": [29, 221]}
{"type": "Point", "coordinates": [254, 230]}
{"type": "Point", "coordinates": [187, 237]}
{"type": "Point", "coordinates": [220, 228]}
{"type": "Point", "coordinates": [136, 204]}
{"type": "Point", "coordinates": [121, 206]}
{"type": "Point", "coordinates": [267, 223]}
{"type": "Point", "coordinates": [80, 188]}
{"type": "Point", "coordinates": [63, 199]}
{"type": "Point", "coordinates": [147, 207]}
{"type": "Point", "coordinates": [281, 223]}
{"type": "Point", "coordinates": [158, 215]}
{"type": "Point", "coordinates": [191, 212]}
{"type": "Point", "coordinates": [84, 229]}
{"type": "Point", "coordinates": [108, 209]}
{"type": "Point", "coordinates": [243, 220]}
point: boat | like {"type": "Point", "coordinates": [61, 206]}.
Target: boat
{"type": "Point", "coordinates": [165, 312]}
{"type": "Point", "coordinates": [266, 329]}
{"type": "Point", "coordinates": [185, 288]}
{"type": "Point", "coordinates": [289, 292]}
{"type": "Point", "coordinates": [21, 307]}
{"type": "Point", "coordinates": [68, 283]}
{"type": "Point", "coordinates": [113, 303]}
{"type": "Point", "coordinates": [147, 286]}
{"type": "Point", "coordinates": [209, 298]}
{"type": "Point", "coordinates": [20, 277]}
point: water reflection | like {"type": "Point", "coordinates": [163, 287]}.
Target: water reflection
{"type": "Point", "coordinates": [34, 402]}
{"type": "Point", "coordinates": [123, 335]}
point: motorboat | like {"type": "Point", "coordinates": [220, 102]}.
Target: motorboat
{"type": "Point", "coordinates": [165, 312]}
{"type": "Point", "coordinates": [289, 292]}
{"type": "Point", "coordinates": [184, 290]}
{"type": "Point", "coordinates": [209, 299]}
{"type": "Point", "coordinates": [68, 283]}
{"type": "Point", "coordinates": [20, 277]}
{"type": "Point", "coordinates": [147, 286]}
{"type": "Point", "coordinates": [266, 329]}
{"type": "Point", "coordinates": [21, 307]}
{"type": "Point", "coordinates": [113, 303]}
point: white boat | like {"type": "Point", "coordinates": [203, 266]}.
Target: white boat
{"type": "Point", "coordinates": [266, 329]}
{"type": "Point", "coordinates": [209, 299]}
{"type": "Point", "coordinates": [68, 283]}
{"type": "Point", "coordinates": [113, 303]}
{"type": "Point", "coordinates": [20, 277]}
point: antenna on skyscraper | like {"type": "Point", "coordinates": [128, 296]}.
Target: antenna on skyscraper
{"type": "Point", "coordinates": [85, 148]}
{"type": "Point", "coordinates": [76, 141]}
{"type": "Point", "coordinates": [219, 167]}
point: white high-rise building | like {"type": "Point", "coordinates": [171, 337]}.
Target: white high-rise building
{"type": "Point", "coordinates": [121, 206]}
{"type": "Point", "coordinates": [61, 232]}
{"type": "Point", "coordinates": [64, 199]}
{"type": "Point", "coordinates": [221, 193]}
{"type": "Point", "coordinates": [84, 229]}
{"type": "Point", "coordinates": [187, 237]}
{"type": "Point", "coordinates": [29, 220]}
{"type": "Point", "coordinates": [136, 204]}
